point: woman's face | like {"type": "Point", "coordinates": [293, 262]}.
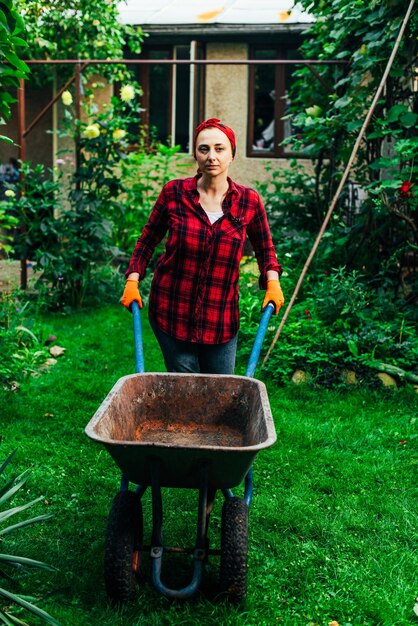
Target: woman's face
{"type": "Point", "coordinates": [213, 152]}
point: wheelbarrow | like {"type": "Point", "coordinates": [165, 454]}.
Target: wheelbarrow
{"type": "Point", "coordinates": [198, 431]}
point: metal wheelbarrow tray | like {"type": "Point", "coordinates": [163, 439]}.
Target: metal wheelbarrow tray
{"type": "Point", "coordinates": [178, 423]}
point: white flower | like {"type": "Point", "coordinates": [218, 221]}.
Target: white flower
{"type": "Point", "coordinates": [66, 98]}
{"type": "Point", "coordinates": [91, 131]}
{"type": "Point", "coordinates": [127, 93]}
{"type": "Point", "coordinates": [9, 193]}
{"type": "Point", "coordinates": [118, 134]}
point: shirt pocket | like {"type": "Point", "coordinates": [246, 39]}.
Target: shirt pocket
{"type": "Point", "coordinates": [232, 228]}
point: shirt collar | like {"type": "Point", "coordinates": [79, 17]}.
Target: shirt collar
{"type": "Point", "coordinates": [191, 185]}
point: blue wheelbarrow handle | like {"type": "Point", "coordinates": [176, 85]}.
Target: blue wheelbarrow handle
{"type": "Point", "coordinates": [138, 344]}
{"type": "Point", "coordinates": [259, 338]}
{"type": "Point", "coordinates": [255, 352]}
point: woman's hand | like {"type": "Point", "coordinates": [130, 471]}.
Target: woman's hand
{"type": "Point", "coordinates": [274, 294]}
{"type": "Point", "coordinates": [131, 294]}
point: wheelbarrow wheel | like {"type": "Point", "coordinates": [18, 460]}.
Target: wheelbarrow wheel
{"type": "Point", "coordinates": [234, 549]}
{"type": "Point", "coordinates": [124, 536]}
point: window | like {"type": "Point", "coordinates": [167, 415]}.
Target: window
{"type": "Point", "coordinates": [268, 103]}
{"type": "Point", "coordinates": [172, 99]}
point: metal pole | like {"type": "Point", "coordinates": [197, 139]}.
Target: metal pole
{"type": "Point", "coordinates": [22, 157]}
{"type": "Point", "coordinates": [193, 61]}
{"type": "Point", "coordinates": [78, 116]}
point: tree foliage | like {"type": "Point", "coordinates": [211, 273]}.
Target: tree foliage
{"type": "Point", "coordinates": [78, 29]}
{"type": "Point", "coordinates": [377, 232]}
{"type": "Point", "coordinates": [12, 68]}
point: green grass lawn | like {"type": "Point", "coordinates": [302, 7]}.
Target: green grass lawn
{"type": "Point", "coordinates": [333, 524]}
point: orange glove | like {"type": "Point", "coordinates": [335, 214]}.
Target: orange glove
{"type": "Point", "coordinates": [274, 294]}
{"type": "Point", "coordinates": [131, 294]}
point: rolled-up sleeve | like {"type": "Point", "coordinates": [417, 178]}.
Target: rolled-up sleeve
{"type": "Point", "coordinates": [261, 240]}
{"type": "Point", "coordinates": [153, 233]}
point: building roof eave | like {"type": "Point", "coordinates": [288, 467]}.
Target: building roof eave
{"type": "Point", "coordinates": [202, 30]}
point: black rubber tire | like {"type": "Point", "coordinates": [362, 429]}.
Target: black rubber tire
{"type": "Point", "coordinates": [234, 549]}
{"type": "Point", "coordinates": [124, 536]}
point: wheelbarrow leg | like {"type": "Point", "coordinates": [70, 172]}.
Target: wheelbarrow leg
{"type": "Point", "coordinates": [248, 489]}
{"type": "Point", "coordinates": [157, 548]}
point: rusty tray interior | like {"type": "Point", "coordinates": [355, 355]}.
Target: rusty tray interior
{"type": "Point", "coordinates": [183, 419]}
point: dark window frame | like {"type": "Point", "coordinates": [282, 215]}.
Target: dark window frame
{"type": "Point", "coordinates": [278, 150]}
{"type": "Point", "coordinates": [143, 73]}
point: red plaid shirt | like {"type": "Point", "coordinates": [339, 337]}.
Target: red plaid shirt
{"type": "Point", "coordinates": [194, 292]}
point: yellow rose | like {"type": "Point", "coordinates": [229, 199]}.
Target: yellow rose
{"type": "Point", "coordinates": [314, 111]}
{"type": "Point", "coordinates": [127, 93]}
{"type": "Point", "coordinates": [9, 193]}
{"type": "Point", "coordinates": [91, 131]}
{"type": "Point", "coordinates": [118, 134]}
{"type": "Point", "coordinates": [66, 98]}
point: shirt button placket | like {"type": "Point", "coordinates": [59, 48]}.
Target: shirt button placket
{"type": "Point", "coordinates": [198, 321]}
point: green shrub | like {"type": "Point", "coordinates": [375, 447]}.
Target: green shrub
{"type": "Point", "coordinates": [339, 324]}
{"type": "Point", "coordinates": [77, 233]}
{"type": "Point", "coordinates": [143, 173]}
{"type": "Point", "coordinates": [7, 223]}
{"type": "Point", "coordinates": [22, 350]}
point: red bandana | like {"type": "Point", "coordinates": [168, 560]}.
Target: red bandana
{"type": "Point", "coordinates": [215, 123]}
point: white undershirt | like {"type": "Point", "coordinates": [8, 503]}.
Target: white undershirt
{"type": "Point", "coordinates": [214, 216]}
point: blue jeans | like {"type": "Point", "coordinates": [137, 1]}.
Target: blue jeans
{"type": "Point", "coordinates": [196, 358]}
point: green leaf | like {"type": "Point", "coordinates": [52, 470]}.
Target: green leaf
{"type": "Point", "coordinates": [18, 509]}
{"type": "Point", "coordinates": [29, 332]}
{"type": "Point", "coordinates": [7, 461]}
{"type": "Point", "coordinates": [13, 486]}
{"type": "Point", "coordinates": [395, 112]}
{"type": "Point", "coordinates": [409, 119]}
{"type": "Point", "coordinates": [391, 184]}
{"type": "Point", "coordinates": [9, 620]}
{"type": "Point", "coordinates": [7, 97]}
{"type": "Point", "coordinates": [19, 42]}
{"type": "Point", "coordinates": [28, 522]}
{"type": "Point", "coordinates": [343, 102]}
{"type": "Point", "coordinates": [18, 63]}
{"type": "Point", "coordinates": [29, 607]}
{"type": "Point", "coordinates": [12, 559]}
{"type": "Point", "coordinates": [355, 125]}
{"type": "Point", "coordinates": [352, 346]}
{"type": "Point", "coordinates": [3, 21]}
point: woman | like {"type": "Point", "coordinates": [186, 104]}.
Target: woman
{"type": "Point", "coordinates": [193, 306]}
